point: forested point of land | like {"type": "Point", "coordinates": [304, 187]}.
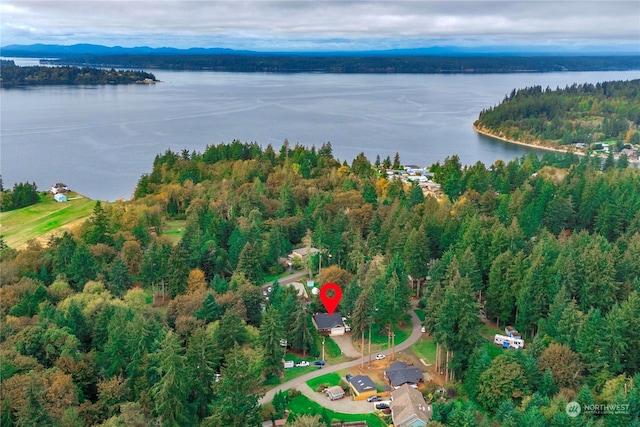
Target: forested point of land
{"type": "Point", "coordinates": [12, 75]}
{"type": "Point", "coordinates": [589, 114]}
{"type": "Point", "coordinates": [125, 322]}
{"type": "Point", "coordinates": [361, 64]}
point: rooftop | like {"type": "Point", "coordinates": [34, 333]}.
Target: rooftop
{"type": "Point", "coordinates": [408, 405]}
{"type": "Point", "coordinates": [362, 383]}
{"type": "Point", "coordinates": [400, 373]}
{"type": "Point", "coordinates": [324, 321]}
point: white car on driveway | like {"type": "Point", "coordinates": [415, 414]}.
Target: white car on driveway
{"type": "Point", "coordinates": [380, 356]}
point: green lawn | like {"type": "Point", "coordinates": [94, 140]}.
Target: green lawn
{"type": "Point", "coordinates": [21, 225]}
{"type": "Point", "coordinates": [489, 332]}
{"type": "Point", "coordinates": [329, 380]}
{"type": "Point", "coordinates": [425, 349]}
{"type": "Point", "coordinates": [380, 338]}
{"type": "Point", "coordinates": [291, 373]}
{"type": "Point", "coordinates": [420, 313]}
{"type": "Point", "coordinates": [332, 352]}
{"type": "Point", "coordinates": [493, 350]}
{"type": "Point", "coordinates": [174, 230]}
{"type": "Point", "coordinates": [303, 405]}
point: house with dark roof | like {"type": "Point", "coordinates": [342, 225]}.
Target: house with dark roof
{"type": "Point", "coordinates": [331, 325]}
{"type": "Point", "coordinates": [408, 408]}
{"type": "Point", "coordinates": [400, 373]}
{"type": "Point", "coordinates": [362, 387]}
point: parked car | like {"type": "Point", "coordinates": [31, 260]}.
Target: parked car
{"type": "Point", "coordinates": [374, 399]}
{"type": "Point", "coordinates": [302, 364]}
{"type": "Point", "coordinates": [382, 406]}
{"type": "Point", "coordinates": [423, 329]}
{"type": "Point", "coordinates": [380, 356]}
{"type": "Point", "coordinates": [319, 362]}
{"type": "Point", "coordinates": [348, 376]}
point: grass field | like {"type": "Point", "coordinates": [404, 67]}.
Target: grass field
{"type": "Point", "coordinates": [47, 216]}
{"type": "Point", "coordinates": [303, 405]}
{"type": "Point", "coordinates": [425, 349]}
{"type": "Point", "coordinates": [174, 230]}
{"type": "Point", "coordinates": [329, 380]}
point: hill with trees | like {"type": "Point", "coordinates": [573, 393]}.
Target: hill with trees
{"type": "Point", "coordinates": [584, 114]}
{"type": "Point", "coordinates": [356, 62]}
{"type": "Point", "coordinates": [128, 323]}
{"type": "Point", "coordinates": [15, 76]}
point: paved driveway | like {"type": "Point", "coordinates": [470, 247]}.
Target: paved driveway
{"type": "Point", "coordinates": [346, 346]}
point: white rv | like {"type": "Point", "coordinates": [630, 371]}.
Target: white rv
{"type": "Point", "coordinates": [508, 342]}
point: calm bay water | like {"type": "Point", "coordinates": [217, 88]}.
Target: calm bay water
{"type": "Point", "coordinates": [100, 139]}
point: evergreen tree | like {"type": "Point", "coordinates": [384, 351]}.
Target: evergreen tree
{"type": "Point", "coordinates": [171, 391]}
{"type": "Point", "coordinates": [201, 360]}
{"type": "Point", "coordinates": [119, 279]}
{"type": "Point", "coordinates": [210, 310]}
{"type": "Point", "coordinates": [302, 331]}
{"type": "Point", "coordinates": [236, 400]}
{"type": "Point", "coordinates": [178, 271]}
{"type": "Point", "coordinates": [82, 267]}
{"type": "Point", "coordinates": [271, 332]}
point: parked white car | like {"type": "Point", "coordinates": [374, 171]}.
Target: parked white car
{"type": "Point", "coordinates": [302, 364]}
{"type": "Point", "coordinates": [380, 356]}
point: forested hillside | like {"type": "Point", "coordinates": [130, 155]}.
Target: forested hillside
{"type": "Point", "coordinates": [128, 321]}
{"type": "Point", "coordinates": [585, 114]}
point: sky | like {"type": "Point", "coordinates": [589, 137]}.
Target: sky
{"type": "Point", "coordinates": [317, 25]}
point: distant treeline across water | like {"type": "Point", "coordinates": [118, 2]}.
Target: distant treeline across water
{"type": "Point", "coordinates": [360, 64]}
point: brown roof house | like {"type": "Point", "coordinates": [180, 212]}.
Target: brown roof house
{"type": "Point", "coordinates": [400, 373]}
{"type": "Point", "coordinates": [408, 408]}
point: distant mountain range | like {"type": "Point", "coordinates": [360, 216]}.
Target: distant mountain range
{"type": "Point", "coordinates": [61, 51]}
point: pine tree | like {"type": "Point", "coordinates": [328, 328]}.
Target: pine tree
{"type": "Point", "coordinates": [171, 391]}
{"type": "Point", "coordinates": [119, 279]}
{"type": "Point", "coordinates": [271, 332]}
{"type": "Point", "coordinates": [236, 400]}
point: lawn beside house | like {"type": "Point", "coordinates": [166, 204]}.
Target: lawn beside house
{"type": "Point", "coordinates": [44, 218]}
{"type": "Point", "coordinates": [301, 405]}
{"type": "Point", "coordinates": [329, 380]}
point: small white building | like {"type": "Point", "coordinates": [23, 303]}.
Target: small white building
{"type": "Point", "coordinates": [60, 198]}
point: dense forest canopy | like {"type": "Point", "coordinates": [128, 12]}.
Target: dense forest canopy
{"type": "Point", "coordinates": [13, 75]}
{"type": "Point", "coordinates": [118, 324]}
{"type": "Point", "coordinates": [580, 113]}
{"type": "Point", "coordinates": [289, 63]}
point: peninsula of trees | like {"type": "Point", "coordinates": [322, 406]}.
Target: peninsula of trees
{"type": "Point", "coordinates": [590, 115]}
{"type": "Point", "coordinates": [15, 76]}
{"type": "Point", "coordinates": [127, 320]}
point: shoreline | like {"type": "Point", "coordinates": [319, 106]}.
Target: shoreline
{"type": "Point", "coordinates": [525, 144]}
{"type": "Point", "coordinates": [571, 149]}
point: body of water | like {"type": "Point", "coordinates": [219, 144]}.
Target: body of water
{"type": "Point", "coordinates": [100, 139]}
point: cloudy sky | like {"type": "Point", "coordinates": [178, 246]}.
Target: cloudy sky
{"type": "Point", "coordinates": [324, 25]}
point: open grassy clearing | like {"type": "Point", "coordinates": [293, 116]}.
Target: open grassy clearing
{"type": "Point", "coordinates": [173, 230]}
{"type": "Point", "coordinates": [425, 349]}
{"type": "Point", "coordinates": [303, 405]}
{"type": "Point", "coordinates": [44, 218]}
{"type": "Point", "coordinates": [328, 380]}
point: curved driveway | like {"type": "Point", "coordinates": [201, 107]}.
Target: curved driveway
{"type": "Point", "coordinates": [345, 405]}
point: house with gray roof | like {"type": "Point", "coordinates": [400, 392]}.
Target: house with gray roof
{"type": "Point", "coordinates": [331, 325]}
{"type": "Point", "coordinates": [362, 386]}
{"type": "Point", "coordinates": [400, 373]}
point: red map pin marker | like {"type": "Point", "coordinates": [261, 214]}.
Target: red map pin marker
{"type": "Point", "coordinates": [330, 302]}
